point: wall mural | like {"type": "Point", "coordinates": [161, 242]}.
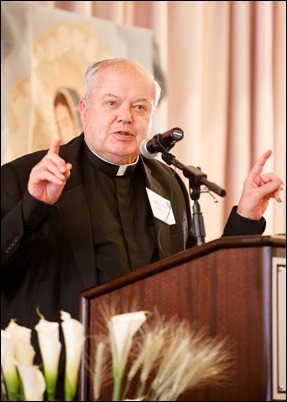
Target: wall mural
{"type": "Point", "coordinates": [45, 52]}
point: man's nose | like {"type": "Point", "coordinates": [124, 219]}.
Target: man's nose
{"type": "Point", "coordinates": [125, 114]}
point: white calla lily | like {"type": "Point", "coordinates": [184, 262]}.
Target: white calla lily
{"type": "Point", "coordinates": [74, 338]}
{"type": "Point", "coordinates": [24, 352]}
{"type": "Point", "coordinates": [8, 366]}
{"type": "Point", "coordinates": [50, 347]}
{"type": "Point", "coordinates": [33, 382]}
{"type": "Point", "coordinates": [122, 328]}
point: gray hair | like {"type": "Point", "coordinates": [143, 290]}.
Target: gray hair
{"type": "Point", "coordinates": [94, 68]}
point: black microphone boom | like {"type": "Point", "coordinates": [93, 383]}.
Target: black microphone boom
{"type": "Point", "coordinates": [161, 142]}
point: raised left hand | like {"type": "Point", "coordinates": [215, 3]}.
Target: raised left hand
{"type": "Point", "coordinates": [257, 190]}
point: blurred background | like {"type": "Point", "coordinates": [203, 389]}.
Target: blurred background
{"type": "Point", "coordinates": [222, 65]}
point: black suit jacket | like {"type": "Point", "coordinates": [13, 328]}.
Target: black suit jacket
{"type": "Point", "coordinates": [47, 252]}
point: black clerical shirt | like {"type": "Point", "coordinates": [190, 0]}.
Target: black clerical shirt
{"type": "Point", "coordinates": [121, 217]}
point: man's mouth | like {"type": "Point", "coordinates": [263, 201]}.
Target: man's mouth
{"type": "Point", "coordinates": [123, 134]}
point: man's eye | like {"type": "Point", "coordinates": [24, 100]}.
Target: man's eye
{"type": "Point", "coordinates": [140, 107]}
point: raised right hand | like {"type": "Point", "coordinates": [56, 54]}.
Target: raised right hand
{"type": "Point", "coordinates": [48, 178]}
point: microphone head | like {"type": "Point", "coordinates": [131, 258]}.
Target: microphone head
{"type": "Point", "coordinates": [145, 152]}
{"type": "Point", "coordinates": [177, 133]}
{"type": "Point", "coordinates": [167, 140]}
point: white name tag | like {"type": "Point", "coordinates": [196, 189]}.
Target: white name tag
{"type": "Point", "coordinates": [161, 207]}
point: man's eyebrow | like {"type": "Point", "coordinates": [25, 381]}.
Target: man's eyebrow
{"type": "Point", "coordinates": [109, 95]}
{"type": "Point", "coordinates": [142, 100]}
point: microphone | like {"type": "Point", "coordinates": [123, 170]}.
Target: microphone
{"type": "Point", "coordinates": [161, 142]}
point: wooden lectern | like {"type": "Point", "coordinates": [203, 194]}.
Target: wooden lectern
{"type": "Point", "coordinates": [223, 287]}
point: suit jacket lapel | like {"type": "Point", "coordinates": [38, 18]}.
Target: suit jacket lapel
{"type": "Point", "coordinates": [75, 216]}
{"type": "Point", "coordinates": [162, 228]}
{"type": "Point", "coordinates": [74, 211]}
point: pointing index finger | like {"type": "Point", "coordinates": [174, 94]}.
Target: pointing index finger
{"type": "Point", "coordinates": [259, 165]}
{"type": "Point", "coordinates": [55, 147]}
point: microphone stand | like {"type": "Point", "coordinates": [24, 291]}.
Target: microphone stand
{"type": "Point", "coordinates": [196, 179]}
